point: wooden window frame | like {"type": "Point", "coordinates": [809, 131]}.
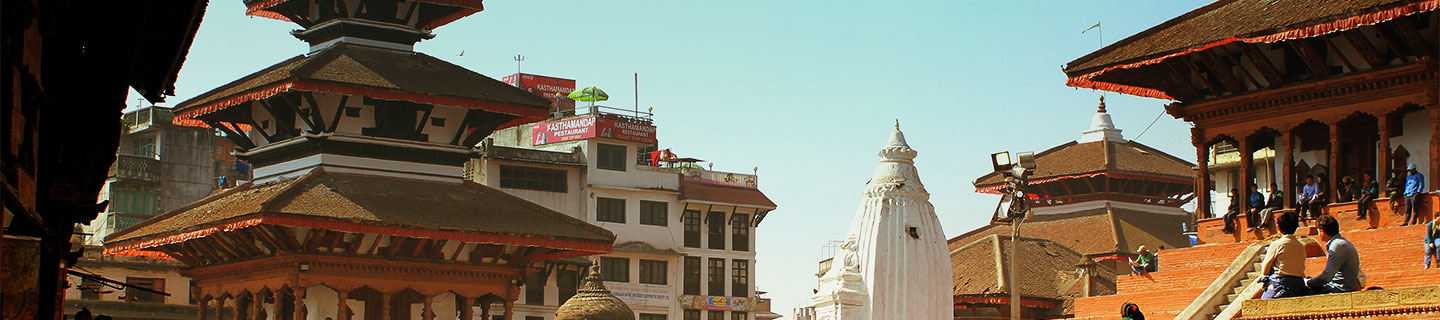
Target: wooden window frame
{"type": "Point", "coordinates": [606, 209]}
{"type": "Point", "coordinates": [654, 271]}
{"type": "Point", "coordinates": [653, 216]}
{"type": "Point", "coordinates": [533, 178]}
{"type": "Point", "coordinates": [606, 156]}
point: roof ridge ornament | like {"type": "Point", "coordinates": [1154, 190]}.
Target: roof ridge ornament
{"type": "Point", "coordinates": [1102, 104]}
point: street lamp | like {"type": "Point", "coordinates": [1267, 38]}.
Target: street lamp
{"type": "Point", "coordinates": [1012, 209]}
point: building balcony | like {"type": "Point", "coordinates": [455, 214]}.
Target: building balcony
{"type": "Point", "coordinates": [144, 118]}
{"type": "Point", "coordinates": [131, 167]}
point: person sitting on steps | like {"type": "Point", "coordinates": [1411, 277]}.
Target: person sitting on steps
{"type": "Point", "coordinates": [1232, 212]}
{"type": "Point", "coordinates": [1276, 202]}
{"type": "Point", "coordinates": [1284, 265]}
{"type": "Point", "coordinates": [1369, 190]}
{"type": "Point", "coordinates": [1257, 203]}
{"type": "Point", "coordinates": [1309, 198]}
{"type": "Point", "coordinates": [1342, 263]}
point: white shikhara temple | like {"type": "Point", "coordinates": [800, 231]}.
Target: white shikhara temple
{"type": "Point", "coordinates": [894, 264]}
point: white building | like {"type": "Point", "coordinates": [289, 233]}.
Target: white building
{"type": "Point", "coordinates": [685, 246]}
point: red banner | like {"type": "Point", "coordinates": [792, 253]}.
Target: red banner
{"type": "Point", "coordinates": [591, 127]}
{"type": "Point", "coordinates": [546, 87]}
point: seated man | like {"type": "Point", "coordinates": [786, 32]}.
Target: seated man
{"type": "Point", "coordinates": [1257, 203]}
{"type": "Point", "coordinates": [1276, 202]}
{"type": "Point", "coordinates": [1310, 198]}
{"type": "Point", "coordinates": [1232, 212]}
{"type": "Point", "coordinates": [1432, 244]}
{"type": "Point", "coordinates": [1144, 262]}
{"type": "Point", "coordinates": [1342, 263]}
{"type": "Point", "coordinates": [1346, 191]}
{"type": "Point", "coordinates": [1369, 191]}
{"type": "Point", "coordinates": [1284, 264]}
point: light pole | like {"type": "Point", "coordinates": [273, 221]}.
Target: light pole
{"type": "Point", "coordinates": [1013, 209]}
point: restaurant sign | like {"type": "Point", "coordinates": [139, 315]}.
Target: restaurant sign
{"type": "Point", "coordinates": [591, 127]}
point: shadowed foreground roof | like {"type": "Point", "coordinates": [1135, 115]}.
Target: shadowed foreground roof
{"type": "Point", "coordinates": [1048, 269]}
{"type": "Point", "coordinates": [371, 204]}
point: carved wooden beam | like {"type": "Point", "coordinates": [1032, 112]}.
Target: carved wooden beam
{"type": "Point", "coordinates": [1181, 80]}
{"type": "Point", "coordinates": [1222, 72]}
{"type": "Point", "coordinates": [1228, 58]}
{"type": "Point", "coordinates": [270, 244]}
{"type": "Point", "coordinates": [354, 246]}
{"type": "Point", "coordinates": [1263, 64]}
{"type": "Point", "coordinates": [424, 119]}
{"type": "Point", "coordinates": [286, 236]}
{"type": "Point", "coordinates": [1364, 47]}
{"type": "Point", "coordinates": [418, 250]}
{"type": "Point", "coordinates": [529, 256]}
{"type": "Point", "coordinates": [339, 113]}
{"type": "Point", "coordinates": [1411, 35]}
{"type": "Point", "coordinates": [1310, 57]}
{"type": "Point", "coordinates": [239, 139]}
{"type": "Point", "coordinates": [464, 124]}
{"type": "Point", "coordinates": [1216, 88]}
{"type": "Point", "coordinates": [316, 120]}
{"type": "Point", "coordinates": [456, 256]}
{"type": "Point", "coordinates": [1343, 59]}
{"type": "Point", "coordinates": [284, 102]}
{"type": "Point", "coordinates": [230, 239]}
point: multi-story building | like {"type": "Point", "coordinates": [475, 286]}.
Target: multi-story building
{"type": "Point", "coordinates": [685, 240]}
{"type": "Point", "coordinates": [159, 167]}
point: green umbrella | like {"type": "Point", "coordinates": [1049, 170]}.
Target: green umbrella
{"type": "Point", "coordinates": [591, 94]}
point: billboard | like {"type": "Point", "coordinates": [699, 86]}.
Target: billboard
{"type": "Point", "coordinates": [543, 86]}
{"type": "Point", "coordinates": [591, 127]}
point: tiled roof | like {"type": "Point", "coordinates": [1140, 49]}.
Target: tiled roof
{"type": "Point", "coordinates": [1042, 272]}
{"type": "Point", "coordinates": [378, 69]}
{"type": "Point", "coordinates": [1102, 156]}
{"type": "Point", "coordinates": [723, 194]}
{"type": "Point", "coordinates": [373, 200]}
{"type": "Point", "coordinates": [1094, 232]}
{"type": "Point", "coordinates": [1221, 20]}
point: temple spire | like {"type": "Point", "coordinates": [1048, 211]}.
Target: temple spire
{"type": "Point", "coordinates": [1101, 128]}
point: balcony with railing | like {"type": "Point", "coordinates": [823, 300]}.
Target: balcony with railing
{"type": "Point", "coordinates": [144, 118]}
{"type": "Point", "coordinates": [135, 168]}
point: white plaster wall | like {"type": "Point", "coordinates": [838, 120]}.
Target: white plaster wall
{"type": "Point", "coordinates": [661, 237]}
{"type": "Point", "coordinates": [634, 176]}
{"type": "Point", "coordinates": [321, 302]}
{"type": "Point", "coordinates": [1416, 139]}
{"type": "Point", "coordinates": [444, 306]}
{"type": "Point", "coordinates": [176, 285]}
{"type": "Point", "coordinates": [570, 202]}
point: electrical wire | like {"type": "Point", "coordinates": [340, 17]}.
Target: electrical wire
{"type": "Point", "coordinates": [1152, 123]}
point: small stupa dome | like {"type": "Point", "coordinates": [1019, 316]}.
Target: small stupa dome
{"type": "Point", "coordinates": [1101, 128]}
{"type": "Point", "coordinates": [594, 302]}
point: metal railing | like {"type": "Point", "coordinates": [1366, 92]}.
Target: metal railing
{"type": "Point", "coordinates": [135, 167]}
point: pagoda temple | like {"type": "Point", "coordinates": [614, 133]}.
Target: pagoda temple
{"type": "Point", "coordinates": [1096, 200]}
{"type": "Point", "coordinates": [358, 208]}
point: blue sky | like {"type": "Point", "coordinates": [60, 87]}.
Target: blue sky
{"type": "Point", "coordinates": [805, 90]}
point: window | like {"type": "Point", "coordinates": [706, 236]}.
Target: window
{"type": "Point", "coordinates": [654, 213]}
{"type": "Point", "coordinates": [651, 316]}
{"type": "Point", "coordinates": [653, 271]}
{"type": "Point", "coordinates": [716, 220]}
{"type": "Point", "coordinates": [610, 157]}
{"type": "Point", "coordinates": [156, 284]}
{"type": "Point", "coordinates": [567, 281]}
{"type": "Point", "coordinates": [134, 202]}
{"type": "Point", "coordinates": [531, 178]}
{"type": "Point", "coordinates": [610, 210]}
{"type": "Point", "coordinates": [615, 269]}
{"type": "Point", "coordinates": [438, 122]}
{"type": "Point", "coordinates": [145, 147]}
{"type": "Point", "coordinates": [716, 315]}
{"type": "Point", "coordinates": [738, 315]}
{"type": "Point", "coordinates": [692, 315]}
{"type": "Point", "coordinates": [691, 218]}
{"type": "Point", "coordinates": [740, 278]}
{"type": "Point", "coordinates": [717, 277]}
{"type": "Point", "coordinates": [352, 112]}
{"type": "Point", "coordinates": [692, 275]}
{"type": "Point", "coordinates": [642, 154]}
{"type": "Point", "coordinates": [535, 290]}
{"type": "Point", "coordinates": [740, 236]}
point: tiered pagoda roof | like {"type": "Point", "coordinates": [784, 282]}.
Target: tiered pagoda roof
{"type": "Point", "coordinates": [1096, 233]}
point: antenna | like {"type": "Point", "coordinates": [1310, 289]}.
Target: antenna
{"type": "Point", "coordinates": [518, 60]}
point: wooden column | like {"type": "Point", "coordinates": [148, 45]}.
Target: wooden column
{"type": "Point", "coordinates": [220, 308]}
{"type": "Point", "coordinates": [343, 310]}
{"type": "Point", "coordinates": [203, 307]}
{"type": "Point", "coordinates": [428, 311]}
{"type": "Point", "coordinates": [509, 309]}
{"type": "Point", "coordinates": [384, 307]}
{"type": "Point", "coordinates": [1334, 163]}
{"type": "Point", "coordinates": [485, 308]}
{"type": "Point", "coordinates": [1202, 175]}
{"type": "Point", "coordinates": [1247, 168]}
{"type": "Point", "coordinates": [257, 307]}
{"type": "Point", "coordinates": [1434, 147]}
{"type": "Point", "coordinates": [298, 299]}
{"type": "Point", "coordinates": [1382, 174]}
{"type": "Point", "coordinates": [467, 309]}
{"type": "Point", "coordinates": [1287, 170]}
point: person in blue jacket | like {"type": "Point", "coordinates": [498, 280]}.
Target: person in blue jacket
{"type": "Point", "coordinates": [1414, 187]}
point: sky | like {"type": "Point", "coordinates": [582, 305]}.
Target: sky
{"type": "Point", "coordinates": [807, 91]}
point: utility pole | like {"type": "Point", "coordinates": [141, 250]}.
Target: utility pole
{"type": "Point", "coordinates": [1013, 208]}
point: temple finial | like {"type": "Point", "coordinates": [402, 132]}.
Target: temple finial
{"type": "Point", "coordinates": [897, 124]}
{"type": "Point", "coordinates": [1102, 104]}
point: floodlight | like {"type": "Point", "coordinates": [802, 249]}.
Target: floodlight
{"type": "Point", "coordinates": [1001, 161]}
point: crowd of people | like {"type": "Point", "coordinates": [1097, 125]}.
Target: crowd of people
{"type": "Point", "coordinates": [1404, 189]}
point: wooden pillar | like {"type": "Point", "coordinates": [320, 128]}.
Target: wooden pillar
{"type": "Point", "coordinates": [220, 308]}
{"type": "Point", "coordinates": [467, 308]}
{"type": "Point", "coordinates": [1287, 170]}
{"type": "Point", "coordinates": [1247, 168]}
{"type": "Point", "coordinates": [257, 307]}
{"type": "Point", "coordinates": [299, 302]}
{"type": "Point", "coordinates": [203, 307]}
{"type": "Point", "coordinates": [384, 307]}
{"type": "Point", "coordinates": [428, 311]}
{"type": "Point", "coordinates": [1334, 163]}
{"type": "Point", "coordinates": [343, 310]}
{"type": "Point", "coordinates": [1434, 147]}
{"type": "Point", "coordinates": [485, 308]}
{"type": "Point", "coordinates": [1202, 175]}
{"type": "Point", "coordinates": [1382, 174]}
{"type": "Point", "coordinates": [510, 309]}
